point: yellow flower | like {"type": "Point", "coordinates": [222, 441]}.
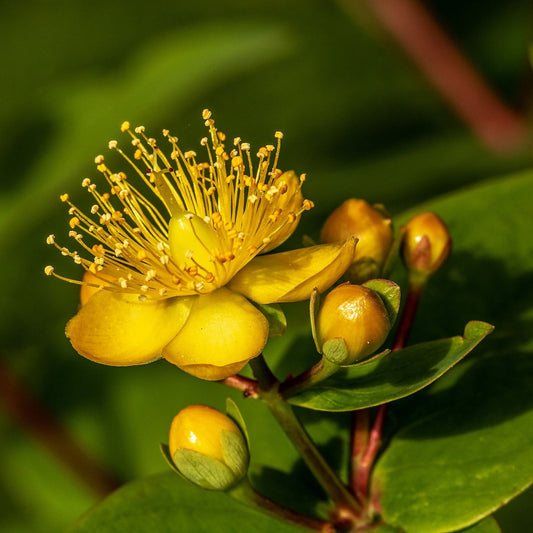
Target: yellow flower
{"type": "Point", "coordinates": [174, 259]}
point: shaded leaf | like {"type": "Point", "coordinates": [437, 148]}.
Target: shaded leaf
{"type": "Point", "coordinates": [469, 452]}
{"type": "Point", "coordinates": [487, 525]}
{"type": "Point", "coordinates": [166, 504]}
{"type": "Point", "coordinates": [392, 376]}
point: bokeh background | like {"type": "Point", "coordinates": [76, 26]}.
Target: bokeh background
{"type": "Point", "coordinates": [359, 115]}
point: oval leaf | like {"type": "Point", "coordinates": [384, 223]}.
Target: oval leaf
{"type": "Point", "coordinates": [488, 525]}
{"type": "Point", "coordinates": [166, 504]}
{"type": "Point", "coordinates": [467, 452]}
{"type": "Point", "coordinates": [393, 376]}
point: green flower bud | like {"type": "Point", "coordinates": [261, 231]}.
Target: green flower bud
{"type": "Point", "coordinates": [352, 324]}
{"type": "Point", "coordinates": [371, 227]}
{"type": "Point", "coordinates": [426, 243]}
{"type": "Point", "coordinates": [208, 448]}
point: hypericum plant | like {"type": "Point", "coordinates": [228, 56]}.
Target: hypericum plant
{"type": "Point", "coordinates": [176, 265]}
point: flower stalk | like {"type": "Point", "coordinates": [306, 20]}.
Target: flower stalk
{"type": "Point", "coordinates": [346, 504]}
{"type": "Point", "coordinates": [245, 493]}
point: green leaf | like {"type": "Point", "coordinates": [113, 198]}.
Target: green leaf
{"type": "Point", "coordinates": [233, 411]}
{"type": "Point", "coordinates": [389, 292]}
{"type": "Point", "coordinates": [203, 470]}
{"type": "Point", "coordinates": [277, 323]}
{"type": "Point", "coordinates": [467, 453]}
{"type": "Point", "coordinates": [166, 504]}
{"type": "Point", "coordinates": [165, 450]}
{"type": "Point", "coordinates": [392, 376]}
{"type": "Point", "coordinates": [487, 525]}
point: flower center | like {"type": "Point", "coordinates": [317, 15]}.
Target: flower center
{"type": "Point", "coordinates": [217, 216]}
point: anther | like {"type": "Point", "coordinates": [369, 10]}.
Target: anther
{"type": "Point", "coordinates": [49, 270]}
{"type": "Point", "coordinates": [112, 145]}
{"type": "Point", "coordinates": [125, 126]}
{"type": "Point", "coordinates": [99, 159]}
{"type": "Point", "coordinates": [64, 197]}
{"type": "Point", "coordinates": [51, 239]}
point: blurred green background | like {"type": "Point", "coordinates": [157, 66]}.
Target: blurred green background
{"type": "Point", "coordinates": [358, 117]}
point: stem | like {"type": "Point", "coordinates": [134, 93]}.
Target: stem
{"type": "Point", "coordinates": [363, 461]}
{"type": "Point", "coordinates": [30, 415]}
{"type": "Point", "coordinates": [246, 385]}
{"type": "Point", "coordinates": [414, 291]}
{"type": "Point", "coordinates": [361, 477]}
{"type": "Point", "coordinates": [360, 437]}
{"type": "Point", "coordinates": [451, 74]}
{"type": "Point", "coordinates": [287, 419]}
{"type": "Point", "coordinates": [318, 372]}
{"type": "Point", "coordinates": [246, 494]}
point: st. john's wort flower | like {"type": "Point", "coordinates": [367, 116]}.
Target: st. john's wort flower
{"type": "Point", "coordinates": [174, 259]}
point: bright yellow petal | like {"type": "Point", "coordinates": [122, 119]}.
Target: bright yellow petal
{"type": "Point", "coordinates": [118, 329]}
{"type": "Point", "coordinates": [224, 331]}
{"type": "Point", "coordinates": [291, 276]}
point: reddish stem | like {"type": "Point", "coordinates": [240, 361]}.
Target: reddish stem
{"type": "Point", "coordinates": [450, 73]}
{"type": "Point", "coordinates": [360, 437]}
{"type": "Point", "coordinates": [408, 315]}
{"type": "Point", "coordinates": [363, 461]}
{"type": "Point", "coordinates": [249, 387]}
{"type": "Point", "coordinates": [361, 477]}
{"type": "Point", "coordinates": [30, 415]}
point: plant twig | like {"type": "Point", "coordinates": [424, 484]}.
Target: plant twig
{"type": "Point", "coordinates": [26, 411]}
{"type": "Point", "coordinates": [363, 461]}
{"type": "Point", "coordinates": [317, 373]}
{"type": "Point", "coordinates": [246, 385]}
{"type": "Point", "coordinates": [347, 506]}
{"type": "Point", "coordinates": [451, 74]}
{"type": "Point", "coordinates": [245, 493]}
{"type": "Point", "coordinates": [361, 477]}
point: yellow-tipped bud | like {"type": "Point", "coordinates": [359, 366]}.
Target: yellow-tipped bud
{"type": "Point", "coordinates": [208, 448]}
{"type": "Point", "coordinates": [352, 323]}
{"type": "Point", "coordinates": [371, 227]}
{"type": "Point", "coordinates": [426, 243]}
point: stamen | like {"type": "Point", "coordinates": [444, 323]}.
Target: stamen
{"type": "Point", "coordinates": [245, 211]}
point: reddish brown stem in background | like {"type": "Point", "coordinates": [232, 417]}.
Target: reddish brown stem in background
{"type": "Point", "coordinates": [450, 73]}
{"type": "Point", "coordinates": [25, 410]}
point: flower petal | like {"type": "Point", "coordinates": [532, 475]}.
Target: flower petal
{"type": "Point", "coordinates": [291, 276]}
{"type": "Point", "coordinates": [118, 329]}
{"type": "Point", "coordinates": [224, 331]}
